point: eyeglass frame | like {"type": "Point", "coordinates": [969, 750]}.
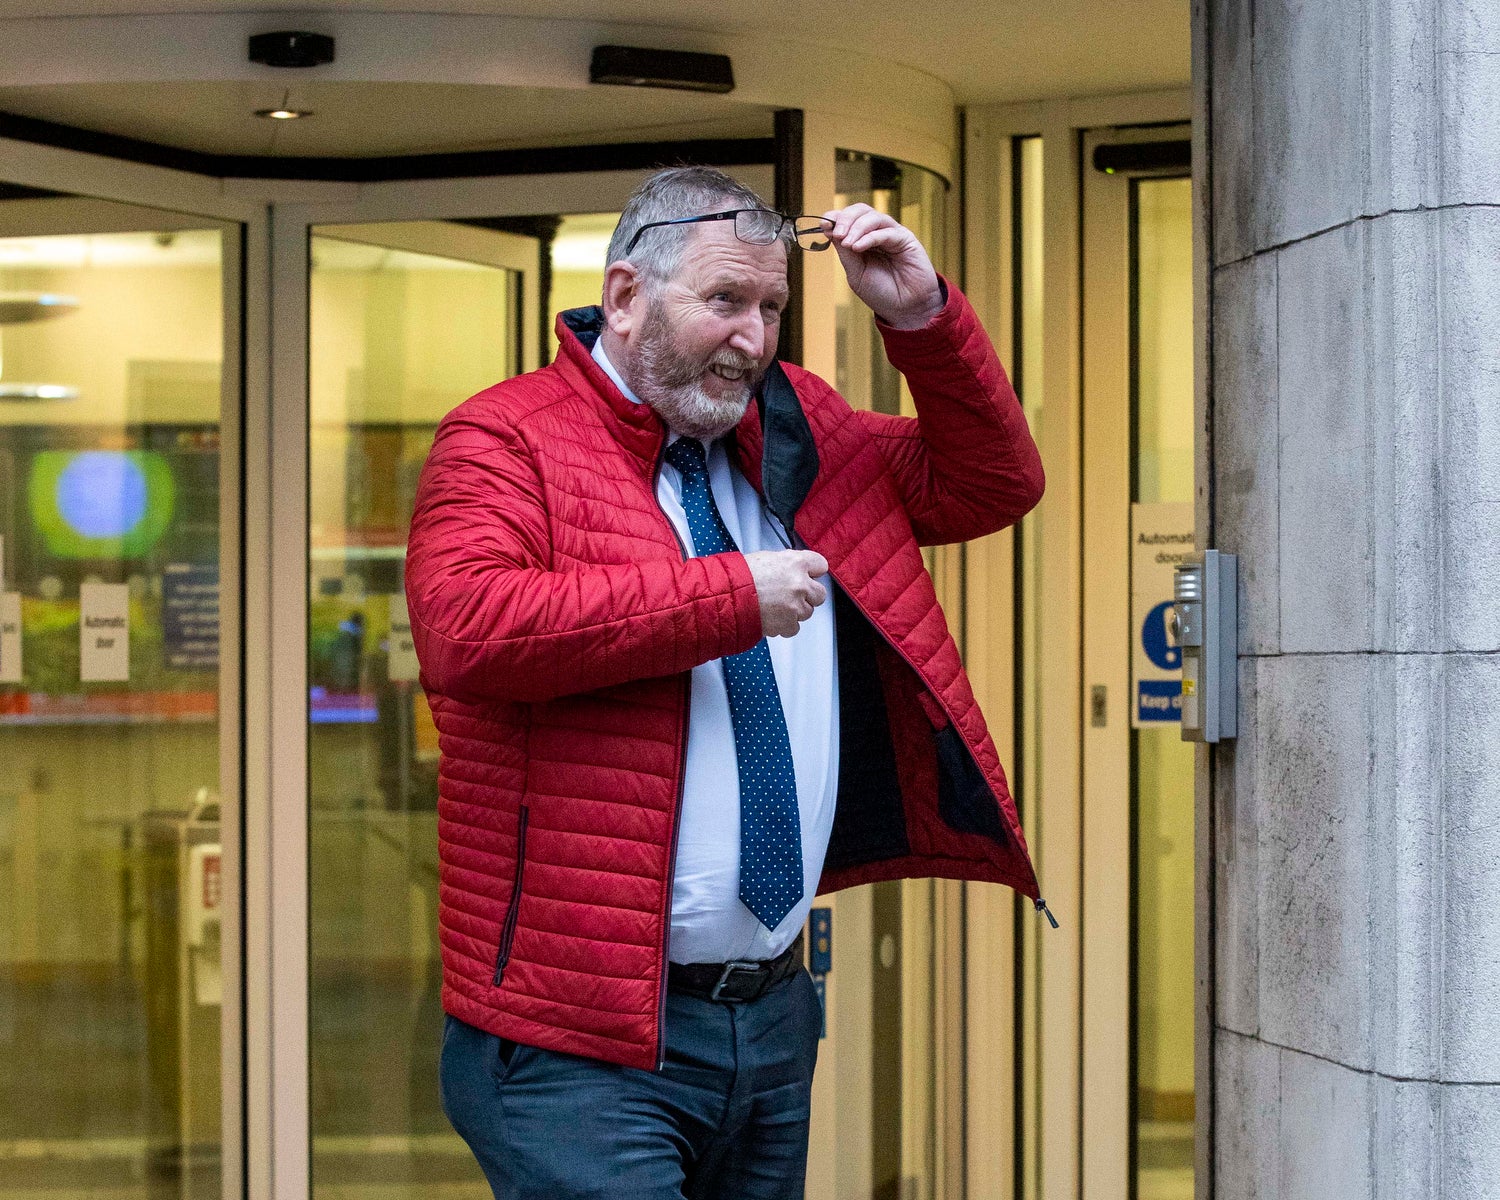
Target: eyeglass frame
{"type": "Point", "coordinates": [730, 214]}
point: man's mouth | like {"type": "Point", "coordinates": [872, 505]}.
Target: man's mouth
{"type": "Point", "coordinates": [733, 374]}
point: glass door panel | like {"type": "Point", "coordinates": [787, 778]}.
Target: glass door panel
{"type": "Point", "coordinates": [905, 1039]}
{"type": "Point", "coordinates": [1031, 611]}
{"type": "Point", "coordinates": [917, 198]}
{"type": "Point", "coordinates": [1161, 762]}
{"type": "Point", "coordinates": [113, 353]}
{"type": "Point", "coordinates": [1138, 795]}
{"type": "Point", "coordinates": [406, 320]}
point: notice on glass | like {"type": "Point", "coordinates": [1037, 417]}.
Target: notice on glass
{"type": "Point", "coordinates": [1160, 536]}
{"type": "Point", "coordinates": [190, 616]}
{"type": "Point", "coordinates": [104, 633]}
{"type": "Point", "coordinates": [402, 653]}
{"type": "Point", "coordinates": [10, 637]}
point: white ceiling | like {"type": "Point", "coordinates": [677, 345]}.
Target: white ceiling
{"type": "Point", "coordinates": [380, 118]}
{"type": "Point", "coordinates": [984, 50]}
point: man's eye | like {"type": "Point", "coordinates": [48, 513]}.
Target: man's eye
{"type": "Point", "coordinates": [722, 298]}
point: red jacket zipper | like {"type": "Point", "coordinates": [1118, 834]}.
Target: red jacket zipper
{"type": "Point", "coordinates": [508, 930]}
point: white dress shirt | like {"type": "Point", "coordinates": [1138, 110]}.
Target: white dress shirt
{"type": "Point", "coordinates": [709, 921]}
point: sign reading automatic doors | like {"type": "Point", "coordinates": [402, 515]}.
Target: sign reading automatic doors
{"type": "Point", "coordinates": [1160, 534]}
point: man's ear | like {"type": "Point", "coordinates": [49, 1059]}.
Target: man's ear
{"type": "Point", "coordinates": [622, 297]}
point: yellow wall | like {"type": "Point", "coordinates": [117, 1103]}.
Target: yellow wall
{"type": "Point", "coordinates": [136, 312]}
{"type": "Point", "coordinates": [578, 253]}
{"type": "Point", "coordinates": [403, 338]}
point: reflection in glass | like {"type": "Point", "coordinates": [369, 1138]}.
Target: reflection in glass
{"type": "Point", "coordinates": [1162, 764]}
{"type": "Point", "coordinates": [397, 339]}
{"type": "Point", "coordinates": [110, 863]}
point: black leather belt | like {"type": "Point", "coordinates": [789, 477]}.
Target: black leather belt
{"type": "Point", "coordinates": [734, 981]}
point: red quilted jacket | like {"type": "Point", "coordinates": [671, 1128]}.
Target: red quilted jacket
{"type": "Point", "coordinates": [556, 622]}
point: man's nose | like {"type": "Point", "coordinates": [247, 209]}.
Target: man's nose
{"type": "Point", "coordinates": [749, 336]}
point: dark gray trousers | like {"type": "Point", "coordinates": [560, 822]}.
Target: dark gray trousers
{"type": "Point", "coordinates": [726, 1119]}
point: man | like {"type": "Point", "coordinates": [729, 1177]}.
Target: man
{"type": "Point", "coordinates": [688, 670]}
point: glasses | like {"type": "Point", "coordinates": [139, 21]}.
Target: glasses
{"type": "Point", "coordinates": [758, 226]}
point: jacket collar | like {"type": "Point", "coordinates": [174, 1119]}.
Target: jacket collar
{"type": "Point", "coordinates": [789, 455]}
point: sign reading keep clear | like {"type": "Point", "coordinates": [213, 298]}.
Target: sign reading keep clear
{"type": "Point", "coordinates": [1160, 536]}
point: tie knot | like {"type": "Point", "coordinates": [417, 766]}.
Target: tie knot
{"type": "Point", "coordinates": [686, 454]}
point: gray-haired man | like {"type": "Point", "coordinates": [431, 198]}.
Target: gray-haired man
{"type": "Point", "coordinates": [661, 739]}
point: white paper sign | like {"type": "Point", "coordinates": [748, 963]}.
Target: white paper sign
{"type": "Point", "coordinates": [10, 637]}
{"type": "Point", "coordinates": [104, 632]}
{"type": "Point", "coordinates": [1160, 535]}
{"type": "Point", "coordinates": [402, 654]}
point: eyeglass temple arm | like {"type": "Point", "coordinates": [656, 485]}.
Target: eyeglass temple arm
{"type": "Point", "coordinates": [723, 216]}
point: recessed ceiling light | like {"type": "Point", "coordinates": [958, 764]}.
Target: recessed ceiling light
{"type": "Point", "coordinates": [283, 111]}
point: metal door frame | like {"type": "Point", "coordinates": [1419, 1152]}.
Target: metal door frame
{"type": "Point", "coordinates": [1109, 898]}
{"type": "Point", "coordinates": [1044, 1114]}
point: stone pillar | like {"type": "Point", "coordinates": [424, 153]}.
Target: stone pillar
{"type": "Point", "coordinates": [1354, 439]}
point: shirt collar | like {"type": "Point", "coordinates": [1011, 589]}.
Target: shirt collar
{"type": "Point", "coordinates": [609, 369]}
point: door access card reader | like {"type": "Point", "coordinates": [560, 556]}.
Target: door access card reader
{"type": "Point", "coordinates": [1206, 625]}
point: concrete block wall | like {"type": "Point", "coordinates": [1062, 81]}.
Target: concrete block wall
{"type": "Point", "coordinates": [1355, 439]}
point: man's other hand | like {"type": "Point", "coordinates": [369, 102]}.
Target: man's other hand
{"type": "Point", "coordinates": [786, 582]}
{"type": "Point", "coordinates": [887, 267]}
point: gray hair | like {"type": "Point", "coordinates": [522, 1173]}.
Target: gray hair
{"type": "Point", "coordinates": [665, 196]}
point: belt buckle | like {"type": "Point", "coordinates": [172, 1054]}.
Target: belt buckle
{"type": "Point", "coordinates": [729, 969]}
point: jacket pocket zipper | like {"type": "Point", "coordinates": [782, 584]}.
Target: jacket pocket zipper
{"type": "Point", "coordinates": [508, 931]}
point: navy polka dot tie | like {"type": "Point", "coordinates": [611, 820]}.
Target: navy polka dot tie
{"type": "Point", "coordinates": [770, 826]}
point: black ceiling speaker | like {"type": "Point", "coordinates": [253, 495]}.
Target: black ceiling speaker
{"type": "Point", "coordinates": [1126, 158]}
{"type": "Point", "coordinates": [637, 66]}
{"type": "Point", "coordinates": [291, 48]}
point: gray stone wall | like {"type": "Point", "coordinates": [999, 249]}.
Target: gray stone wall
{"type": "Point", "coordinates": [1355, 426]}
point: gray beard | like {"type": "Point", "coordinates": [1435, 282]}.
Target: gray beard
{"type": "Point", "coordinates": [669, 384]}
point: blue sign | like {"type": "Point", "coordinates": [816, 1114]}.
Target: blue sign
{"type": "Point", "coordinates": [190, 616]}
{"type": "Point", "coordinates": [1157, 642]}
{"type": "Point", "coordinates": [820, 956]}
{"type": "Point", "coordinates": [1158, 699]}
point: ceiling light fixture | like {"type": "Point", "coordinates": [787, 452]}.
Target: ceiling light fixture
{"type": "Point", "coordinates": [25, 308]}
{"type": "Point", "coordinates": [22, 308]}
{"type": "Point", "coordinates": [284, 111]}
{"type": "Point", "coordinates": [23, 392]}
